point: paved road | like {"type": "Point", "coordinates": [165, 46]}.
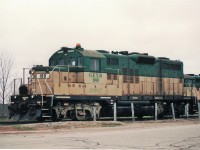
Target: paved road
{"type": "Point", "coordinates": [167, 137]}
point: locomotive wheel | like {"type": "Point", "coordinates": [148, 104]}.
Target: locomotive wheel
{"type": "Point", "coordinates": [88, 115]}
{"type": "Point", "coordinates": [54, 116]}
{"type": "Point", "coordinates": [78, 117]}
{"type": "Point", "coordinates": [72, 115]}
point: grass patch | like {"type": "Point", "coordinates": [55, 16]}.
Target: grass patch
{"type": "Point", "coordinates": [4, 119]}
{"type": "Point", "coordinates": [24, 128]}
{"type": "Point", "coordinates": [111, 124]}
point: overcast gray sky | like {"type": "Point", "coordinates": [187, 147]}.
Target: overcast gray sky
{"type": "Point", "coordinates": [32, 30]}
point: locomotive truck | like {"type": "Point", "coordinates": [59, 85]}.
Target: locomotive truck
{"type": "Point", "coordinates": [78, 81]}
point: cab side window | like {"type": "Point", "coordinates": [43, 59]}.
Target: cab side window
{"type": "Point", "coordinates": [80, 61]}
{"type": "Point", "coordinates": [52, 62]}
{"type": "Point", "coordinates": [61, 62]}
{"type": "Point", "coordinates": [72, 61]}
{"type": "Point", "coordinates": [94, 64]}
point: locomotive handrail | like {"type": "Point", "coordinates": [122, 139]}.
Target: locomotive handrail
{"type": "Point", "coordinates": [59, 70]}
{"type": "Point", "coordinates": [50, 74]}
{"type": "Point", "coordinates": [24, 74]}
{"type": "Point", "coordinates": [40, 90]}
{"type": "Point", "coordinates": [15, 83]}
{"type": "Point", "coordinates": [195, 92]}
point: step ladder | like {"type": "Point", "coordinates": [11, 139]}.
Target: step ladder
{"type": "Point", "coordinates": [46, 113]}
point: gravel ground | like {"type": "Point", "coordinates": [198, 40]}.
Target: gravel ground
{"type": "Point", "coordinates": [74, 125]}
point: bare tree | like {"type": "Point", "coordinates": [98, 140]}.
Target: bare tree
{"type": "Point", "coordinates": [6, 68]}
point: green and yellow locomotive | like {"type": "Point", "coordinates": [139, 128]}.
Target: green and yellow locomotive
{"type": "Point", "coordinates": [79, 81]}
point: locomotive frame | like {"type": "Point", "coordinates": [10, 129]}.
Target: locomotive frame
{"type": "Point", "coordinates": [79, 81]}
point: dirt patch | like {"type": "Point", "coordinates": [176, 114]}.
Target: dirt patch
{"type": "Point", "coordinates": [70, 125]}
{"type": "Point", "coordinates": [7, 128]}
{"type": "Point", "coordinates": [51, 126]}
{"type": "Point", "coordinates": [73, 125]}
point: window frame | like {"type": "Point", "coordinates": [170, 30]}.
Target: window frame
{"type": "Point", "coordinates": [93, 61]}
{"type": "Point", "coordinates": [71, 60]}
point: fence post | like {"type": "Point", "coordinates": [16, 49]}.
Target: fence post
{"type": "Point", "coordinates": [94, 114]}
{"type": "Point", "coordinates": [115, 111]}
{"type": "Point", "coordinates": [156, 111]}
{"type": "Point", "coordinates": [173, 113]}
{"type": "Point", "coordinates": [186, 110]}
{"type": "Point", "coordinates": [133, 112]}
{"type": "Point", "coordinates": [4, 110]}
{"type": "Point", "coordinates": [1, 111]}
{"type": "Point", "coordinates": [199, 109]}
